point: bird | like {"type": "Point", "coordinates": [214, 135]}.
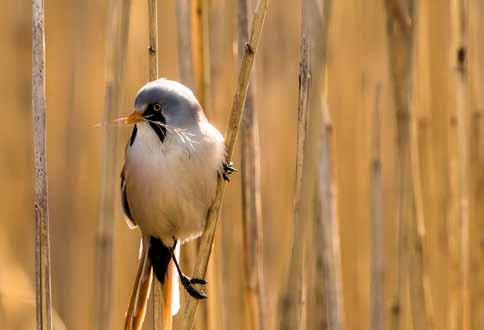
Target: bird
{"type": "Point", "coordinates": [173, 160]}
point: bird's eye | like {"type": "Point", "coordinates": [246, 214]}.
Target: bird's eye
{"type": "Point", "coordinates": [157, 107]}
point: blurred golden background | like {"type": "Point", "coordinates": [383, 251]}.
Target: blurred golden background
{"type": "Point", "coordinates": [357, 62]}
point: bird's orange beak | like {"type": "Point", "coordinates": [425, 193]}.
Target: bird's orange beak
{"type": "Point", "coordinates": [133, 118]}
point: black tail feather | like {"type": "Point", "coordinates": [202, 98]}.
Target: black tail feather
{"type": "Point", "coordinates": [160, 257]}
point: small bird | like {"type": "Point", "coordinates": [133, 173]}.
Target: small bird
{"type": "Point", "coordinates": [168, 183]}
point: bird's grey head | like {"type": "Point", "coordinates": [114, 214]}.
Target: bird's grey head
{"type": "Point", "coordinates": [168, 102]}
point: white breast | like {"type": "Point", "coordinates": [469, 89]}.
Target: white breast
{"type": "Point", "coordinates": [171, 185]}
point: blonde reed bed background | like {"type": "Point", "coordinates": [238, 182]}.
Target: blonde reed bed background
{"type": "Point", "coordinates": [357, 60]}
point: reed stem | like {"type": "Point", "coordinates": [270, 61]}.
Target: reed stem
{"type": "Point", "coordinates": [251, 192]}
{"type": "Point", "coordinates": [376, 229]}
{"type": "Point", "coordinates": [116, 47]}
{"type": "Point", "coordinates": [410, 223]}
{"type": "Point", "coordinates": [42, 242]}
{"type": "Point", "coordinates": [230, 139]}
{"type": "Point", "coordinates": [294, 302]}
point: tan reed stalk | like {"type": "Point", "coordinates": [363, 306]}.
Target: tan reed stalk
{"type": "Point", "coordinates": [185, 57]}
{"type": "Point", "coordinates": [376, 231]}
{"type": "Point", "coordinates": [42, 243]}
{"type": "Point", "coordinates": [331, 240]}
{"type": "Point", "coordinates": [116, 47]}
{"type": "Point", "coordinates": [153, 75]}
{"type": "Point", "coordinates": [420, 292]}
{"type": "Point", "coordinates": [206, 243]}
{"type": "Point", "coordinates": [201, 47]}
{"type": "Point", "coordinates": [293, 303]}
{"type": "Point", "coordinates": [251, 192]}
{"type": "Point", "coordinates": [459, 58]}
{"type": "Point", "coordinates": [186, 69]}
{"type": "Point", "coordinates": [320, 318]}
{"type": "Point", "coordinates": [400, 44]}
{"type": "Point", "coordinates": [201, 60]}
{"type": "Point", "coordinates": [476, 235]}
{"type": "Point", "coordinates": [323, 310]}
{"type": "Point", "coordinates": [410, 260]}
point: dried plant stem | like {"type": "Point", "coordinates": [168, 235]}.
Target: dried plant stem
{"type": "Point", "coordinates": [331, 241]}
{"type": "Point", "coordinates": [230, 139]}
{"type": "Point", "coordinates": [201, 60]}
{"type": "Point", "coordinates": [201, 46]}
{"type": "Point", "coordinates": [185, 64]}
{"type": "Point", "coordinates": [251, 193]}
{"type": "Point", "coordinates": [293, 308]}
{"type": "Point", "coordinates": [153, 39]}
{"type": "Point", "coordinates": [377, 244]}
{"type": "Point", "coordinates": [401, 25]}
{"type": "Point", "coordinates": [153, 75]}
{"type": "Point", "coordinates": [459, 51]}
{"type": "Point", "coordinates": [117, 42]}
{"type": "Point", "coordinates": [185, 58]}
{"type": "Point", "coordinates": [42, 243]}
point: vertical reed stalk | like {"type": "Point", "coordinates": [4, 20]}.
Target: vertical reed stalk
{"type": "Point", "coordinates": [42, 244]}
{"type": "Point", "coordinates": [230, 139]}
{"type": "Point", "coordinates": [201, 47]}
{"type": "Point", "coordinates": [320, 315]}
{"type": "Point", "coordinates": [331, 241]}
{"type": "Point", "coordinates": [401, 26]}
{"type": "Point", "coordinates": [201, 60]}
{"type": "Point", "coordinates": [459, 60]}
{"type": "Point", "coordinates": [194, 44]}
{"type": "Point", "coordinates": [185, 58]}
{"type": "Point", "coordinates": [376, 231]}
{"type": "Point", "coordinates": [116, 46]}
{"type": "Point", "coordinates": [185, 64]}
{"type": "Point", "coordinates": [251, 192]}
{"type": "Point", "coordinates": [153, 75]}
{"type": "Point", "coordinates": [294, 303]}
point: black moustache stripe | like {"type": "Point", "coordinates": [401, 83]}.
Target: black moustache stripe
{"type": "Point", "coordinates": [156, 121]}
{"type": "Point", "coordinates": [133, 135]}
{"type": "Point", "coordinates": [159, 130]}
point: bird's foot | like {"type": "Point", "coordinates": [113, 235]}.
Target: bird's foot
{"type": "Point", "coordinates": [228, 169]}
{"type": "Point", "coordinates": [188, 282]}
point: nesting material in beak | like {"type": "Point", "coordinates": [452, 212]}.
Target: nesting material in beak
{"type": "Point", "coordinates": [133, 118]}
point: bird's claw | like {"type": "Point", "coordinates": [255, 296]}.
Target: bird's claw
{"type": "Point", "coordinates": [188, 282]}
{"type": "Point", "coordinates": [228, 169]}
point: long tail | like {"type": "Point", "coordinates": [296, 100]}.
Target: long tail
{"type": "Point", "coordinates": [141, 290]}
{"type": "Point", "coordinates": [165, 271]}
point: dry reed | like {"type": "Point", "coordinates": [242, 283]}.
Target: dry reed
{"type": "Point", "coordinates": [327, 237]}
{"type": "Point", "coordinates": [230, 139]}
{"type": "Point", "coordinates": [411, 245]}
{"type": "Point", "coordinates": [201, 66]}
{"type": "Point", "coordinates": [251, 192]}
{"type": "Point", "coordinates": [294, 302]}
{"type": "Point", "coordinates": [153, 75]}
{"type": "Point", "coordinates": [331, 240]}
{"type": "Point", "coordinates": [376, 229]}
{"type": "Point", "coordinates": [185, 58]}
{"type": "Point", "coordinates": [459, 59]}
{"type": "Point", "coordinates": [41, 208]}
{"type": "Point", "coordinates": [201, 50]}
{"type": "Point", "coordinates": [116, 47]}
{"type": "Point", "coordinates": [186, 68]}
